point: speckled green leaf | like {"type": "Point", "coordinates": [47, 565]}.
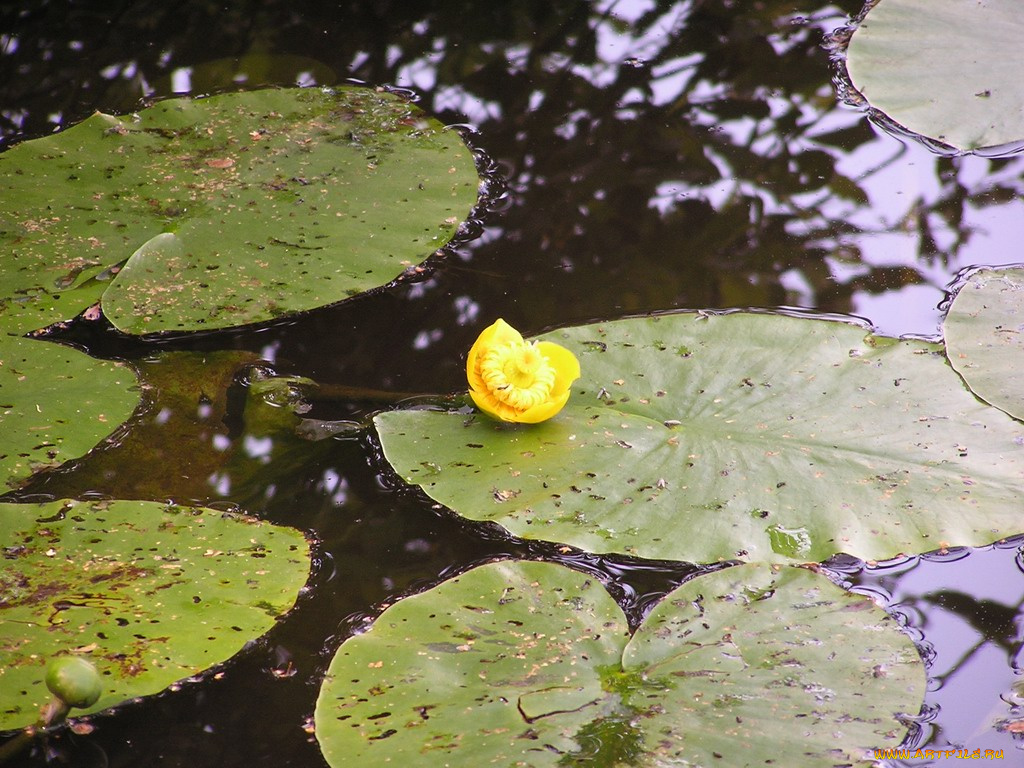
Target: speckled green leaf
{"type": "Point", "coordinates": [984, 335]}
{"type": "Point", "coordinates": [705, 437]}
{"type": "Point", "coordinates": [56, 403]}
{"type": "Point", "coordinates": [233, 209]}
{"type": "Point", "coordinates": [946, 69]}
{"type": "Point", "coordinates": [775, 662]}
{"type": "Point", "coordinates": [149, 593]}
{"type": "Point", "coordinates": [521, 663]}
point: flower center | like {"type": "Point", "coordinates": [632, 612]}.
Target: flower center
{"type": "Point", "coordinates": [517, 375]}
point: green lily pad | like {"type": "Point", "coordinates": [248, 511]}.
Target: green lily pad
{"type": "Point", "coordinates": [149, 593]}
{"type": "Point", "coordinates": [521, 663]}
{"type": "Point", "coordinates": [229, 210]}
{"type": "Point", "coordinates": [984, 335]}
{"type": "Point", "coordinates": [56, 403]}
{"type": "Point", "coordinates": [946, 69]}
{"type": "Point", "coordinates": [708, 437]}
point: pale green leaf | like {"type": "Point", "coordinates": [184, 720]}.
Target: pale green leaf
{"type": "Point", "coordinates": [984, 336]}
{"type": "Point", "coordinates": [947, 69]}
{"type": "Point", "coordinates": [710, 437]}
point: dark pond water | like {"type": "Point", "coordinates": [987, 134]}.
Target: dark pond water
{"type": "Point", "coordinates": [656, 156]}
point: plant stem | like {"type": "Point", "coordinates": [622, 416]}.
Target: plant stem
{"type": "Point", "coordinates": [53, 714]}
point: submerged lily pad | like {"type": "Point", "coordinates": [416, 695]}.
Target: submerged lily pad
{"type": "Point", "coordinates": [149, 593]}
{"type": "Point", "coordinates": [255, 68]}
{"type": "Point", "coordinates": [178, 444]}
{"type": "Point", "coordinates": [984, 335]}
{"type": "Point", "coordinates": [707, 437]}
{"type": "Point", "coordinates": [947, 69]}
{"type": "Point", "coordinates": [521, 663]}
{"type": "Point", "coordinates": [232, 209]}
{"type": "Point", "coordinates": [56, 403]}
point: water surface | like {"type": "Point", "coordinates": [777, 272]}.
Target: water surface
{"type": "Point", "coordinates": [646, 157]}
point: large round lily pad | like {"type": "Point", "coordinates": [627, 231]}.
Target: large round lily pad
{"type": "Point", "coordinates": [56, 403]}
{"type": "Point", "coordinates": [520, 663]}
{"type": "Point", "coordinates": [984, 336]}
{"type": "Point", "coordinates": [232, 209]}
{"type": "Point", "coordinates": [149, 593]}
{"type": "Point", "coordinates": [946, 69]}
{"type": "Point", "coordinates": [697, 437]}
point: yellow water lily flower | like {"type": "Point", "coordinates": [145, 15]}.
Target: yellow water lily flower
{"type": "Point", "coordinates": [516, 380]}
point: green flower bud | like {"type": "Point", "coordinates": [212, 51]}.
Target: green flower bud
{"type": "Point", "coordinates": [74, 681]}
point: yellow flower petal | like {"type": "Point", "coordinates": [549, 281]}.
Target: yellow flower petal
{"type": "Point", "coordinates": [544, 411]}
{"type": "Point", "coordinates": [515, 380]}
{"type": "Point", "coordinates": [567, 367]}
